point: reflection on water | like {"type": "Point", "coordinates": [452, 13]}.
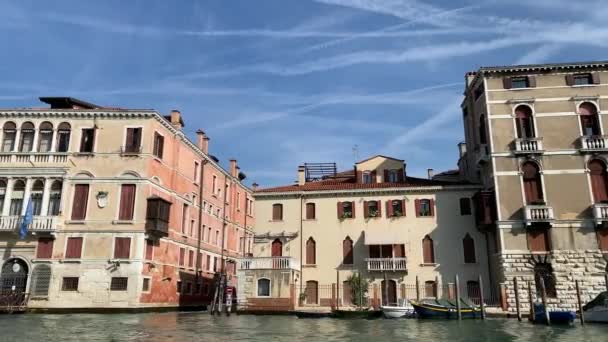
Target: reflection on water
{"type": "Point", "coordinates": [201, 326]}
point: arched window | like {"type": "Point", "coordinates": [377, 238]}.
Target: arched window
{"type": "Point", "coordinates": [9, 130]}
{"type": "Point", "coordinates": [310, 211]}
{"type": "Point", "coordinates": [589, 119]}
{"type": "Point", "coordinates": [2, 193]}
{"type": "Point", "coordinates": [45, 136]}
{"type": "Point", "coordinates": [27, 137]}
{"type": "Point", "coordinates": [468, 245]}
{"type": "Point", "coordinates": [599, 181]}
{"type": "Point", "coordinates": [277, 212]}
{"type": "Point", "coordinates": [17, 198]}
{"type": "Point", "coordinates": [63, 137]}
{"type": "Point", "coordinates": [524, 122]}
{"type": "Point", "coordinates": [428, 250]}
{"type": "Point", "coordinates": [482, 130]}
{"type": "Point", "coordinates": [36, 196]}
{"type": "Point", "coordinates": [55, 198]}
{"type": "Point", "coordinates": [533, 188]}
{"type": "Point", "coordinates": [347, 251]}
{"type": "Point", "coordinates": [276, 248]}
{"type": "Point", "coordinates": [263, 287]}
{"type": "Point", "coordinates": [311, 251]}
{"type": "Point", "coordinates": [41, 280]}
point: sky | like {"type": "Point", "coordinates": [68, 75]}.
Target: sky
{"type": "Point", "coordinates": [276, 83]}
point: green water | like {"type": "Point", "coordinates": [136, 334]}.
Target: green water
{"type": "Point", "coordinates": [203, 327]}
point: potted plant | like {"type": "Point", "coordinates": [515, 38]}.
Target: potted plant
{"type": "Point", "coordinates": [397, 213]}
{"type": "Point", "coordinates": [373, 213]}
{"type": "Point", "coordinates": [346, 215]}
{"type": "Point", "coordinates": [302, 298]}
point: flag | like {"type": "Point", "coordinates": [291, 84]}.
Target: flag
{"type": "Point", "coordinates": [27, 219]}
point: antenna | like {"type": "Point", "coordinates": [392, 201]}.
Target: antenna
{"type": "Point", "coordinates": [356, 152]}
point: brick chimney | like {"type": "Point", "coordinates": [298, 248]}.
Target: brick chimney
{"type": "Point", "coordinates": [301, 175]}
{"type": "Point", "coordinates": [233, 168]}
{"type": "Point", "coordinates": [176, 119]}
{"type": "Point", "coordinates": [202, 141]}
{"type": "Point", "coordinates": [430, 173]}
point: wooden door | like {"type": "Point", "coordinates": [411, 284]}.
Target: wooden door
{"type": "Point", "coordinates": [389, 292]}
{"type": "Point", "coordinates": [277, 252]}
{"type": "Point", "coordinates": [312, 292]}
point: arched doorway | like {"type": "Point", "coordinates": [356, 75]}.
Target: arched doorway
{"type": "Point", "coordinates": [276, 251]}
{"type": "Point", "coordinates": [389, 292]}
{"type": "Point", "coordinates": [13, 282]}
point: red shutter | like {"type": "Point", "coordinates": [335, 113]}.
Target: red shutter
{"type": "Point", "coordinates": [129, 142]}
{"type": "Point", "coordinates": [190, 258]}
{"type": "Point", "coordinates": [401, 175]}
{"type": "Point", "coordinates": [127, 202]}
{"type": "Point", "coordinates": [595, 77]}
{"type": "Point", "coordinates": [149, 249]}
{"type": "Point", "coordinates": [538, 240]}
{"type": "Point", "coordinates": [389, 208]}
{"type": "Point", "coordinates": [507, 83]}
{"type": "Point", "coordinates": [532, 81]}
{"type": "Point", "coordinates": [432, 207]}
{"type": "Point", "coordinates": [428, 250]}
{"type": "Point", "coordinates": [374, 177]}
{"type": "Point", "coordinates": [602, 238]}
{"type": "Point", "coordinates": [417, 206]}
{"type": "Point", "coordinates": [79, 207]}
{"type": "Point", "coordinates": [403, 207]}
{"type": "Point", "coordinates": [359, 176]}
{"type": "Point", "coordinates": [598, 181]}
{"type": "Point", "coordinates": [365, 209]}
{"type": "Point", "coordinates": [74, 248]}
{"type": "Point", "coordinates": [347, 251]}
{"type": "Point", "coordinates": [182, 256]}
{"type": "Point", "coordinates": [385, 180]}
{"type": "Point", "coordinates": [340, 210]}
{"type": "Point", "coordinates": [45, 248]}
{"type": "Point", "coordinates": [122, 248]}
{"type": "Point", "coordinates": [352, 205]}
{"type": "Point", "coordinates": [399, 251]}
{"type": "Point", "coordinates": [570, 79]}
{"type": "Point", "coordinates": [379, 203]}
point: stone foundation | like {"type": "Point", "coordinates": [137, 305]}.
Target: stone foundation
{"type": "Point", "coordinates": [586, 266]}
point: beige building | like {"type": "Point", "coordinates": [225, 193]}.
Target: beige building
{"type": "Point", "coordinates": [374, 220]}
{"type": "Point", "coordinates": [536, 141]}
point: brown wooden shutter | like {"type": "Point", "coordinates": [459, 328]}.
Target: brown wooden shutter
{"type": "Point", "coordinates": [386, 251]}
{"type": "Point", "coordinates": [374, 177]}
{"type": "Point", "coordinates": [311, 252]}
{"type": "Point", "coordinates": [602, 239]}
{"type": "Point", "coordinates": [507, 82]}
{"type": "Point", "coordinates": [277, 212]}
{"type": "Point", "coordinates": [595, 77]}
{"type": "Point", "coordinates": [137, 137]}
{"type": "Point", "coordinates": [365, 209]}
{"type": "Point", "coordinates": [359, 175]}
{"type": "Point", "coordinates": [74, 248]}
{"type": "Point", "coordinates": [428, 250]}
{"type": "Point", "coordinates": [81, 196]}
{"type": "Point", "coordinates": [401, 175]}
{"type": "Point", "coordinates": [310, 211]}
{"type": "Point", "coordinates": [190, 258]}
{"type": "Point", "coordinates": [417, 206]}
{"type": "Point", "coordinates": [352, 207]}
{"type": "Point", "coordinates": [468, 245]}
{"type": "Point", "coordinates": [403, 207]}
{"type": "Point", "coordinates": [570, 79]}
{"type": "Point", "coordinates": [129, 142]}
{"type": "Point", "coordinates": [379, 204]}
{"type": "Point", "coordinates": [122, 248]}
{"type": "Point", "coordinates": [127, 202]}
{"type": "Point", "coordinates": [182, 256]}
{"type": "Point", "coordinates": [347, 251]}
{"type": "Point", "coordinates": [386, 172]}
{"type": "Point", "coordinates": [340, 210]}
{"type": "Point", "coordinates": [599, 184]}
{"type": "Point", "coordinates": [532, 81]}
{"type": "Point", "coordinates": [538, 240]}
{"type": "Point", "coordinates": [399, 251]}
{"type": "Point", "coordinates": [149, 249]}
{"type": "Point", "coordinates": [389, 208]}
{"type": "Point", "coordinates": [45, 248]}
{"type": "Point", "coordinates": [432, 207]}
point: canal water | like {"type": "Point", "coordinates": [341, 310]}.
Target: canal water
{"type": "Point", "coordinates": [193, 326]}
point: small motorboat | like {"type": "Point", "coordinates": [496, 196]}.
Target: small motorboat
{"type": "Point", "coordinates": [597, 309]}
{"type": "Point", "coordinates": [442, 308]}
{"type": "Point", "coordinates": [405, 309]}
{"type": "Point", "coordinates": [556, 317]}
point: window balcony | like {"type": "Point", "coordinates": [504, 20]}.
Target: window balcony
{"type": "Point", "coordinates": [594, 143]}
{"type": "Point", "coordinates": [538, 213]}
{"type": "Point", "coordinates": [600, 213]}
{"type": "Point", "coordinates": [483, 154]}
{"type": "Point", "coordinates": [528, 146]}
{"type": "Point", "coordinates": [39, 223]}
{"type": "Point", "coordinates": [269, 263]}
{"type": "Point", "coordinates": [130, 150]}
{"type": "Point", "coordinates": [485, 210]}
{"type": "Point", "coordinates": [386, 264]}
{"type": "Point", "coordinates": [33, 157]}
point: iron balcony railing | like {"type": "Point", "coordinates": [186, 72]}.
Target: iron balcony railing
{"type": "Point", "coordinates": [269, 263]}
{"type": "Point", "coordinates": [39, 223]}
{"type": "Point", "coordinates": [529, 145]}
{"type": "Point", "coordinates": [386, 264]}
{"type": "Point", "coordinates": [594, 143]}
{"type": "Point", "coordinates": [538, 213]}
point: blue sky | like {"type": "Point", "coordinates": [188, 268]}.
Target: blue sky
{"type": "Point", "coordinates": [276, 83]}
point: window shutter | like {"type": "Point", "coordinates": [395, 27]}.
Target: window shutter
{"type": "Point", "coordinates": [374, 177]}
{"type": "Point", "coordinates": [417, 207]}
{"type": "Point", "coordinates": [340, 210]}
{"type": "Point", "coordinates": [45, 248]}
{"type": "Point", "coordinates": [385, 180]}
{"type": "Point", "coordinates": [595, 77]}
{"type": "Point", "coordinates": [570, 79]}
{"type": "Point", "coordinates": [432, 207]}
{"type": "Point", "coordinates": [359, 175]}
{"type": "Point", "coordinates": [129, 142]}
{"type": "Point", "coordinates": [182, 255]}
{"type": "Point", "coordinates": [389, 208]}
{"type": "Point", "coordinates": [374, 251]}
{"type": "Point", "coordinates": [468, 246]}
{"type": "Point", "coordinates": [137, 137]}
{"type": "Point", "coordinates": [538, 239]}
{"type": "Point", "coordinates": [352, 206]}
{"type": "Point", "coordinates": [74, 248]}
{"type": "Point", "coordinates": [399, 251]}
{"type": "Point", "coordinates": [347, 252]}
{"type": "Point", "coordinates": [122, 248]}
{"type": "Point", "coordinates": [532, 81]}
{"type": "Point", "coordinates": [506, 82]}
{"type": "Point", "coordinates": [379, 208]}
{"type": "Point", "coordinates": [127, 202]}
{"type": "Point", "coordinates": [602, 238]}
{"type": "Point", "coordinates": [310, 211]}
{"type": "Point", "coordinates": [401, 175]}
{"type": "Point", "coordinates": [403, 207]}
{"type": "Point", "coordinates": [427, 250]}
{"type": "Point", "coordinates": [365, 209]}
{"type": "Point", "coordinates": [311, 252]}
{"type": "Point", "coordinates": [79, 207]}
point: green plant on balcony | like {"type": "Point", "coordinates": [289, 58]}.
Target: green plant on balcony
{"type": "Point", "coordinates": [397, 213]}
{"type": "Point", "coordinates": [373, 213]}
{"type": "Point", "coordinates": [347, 215]}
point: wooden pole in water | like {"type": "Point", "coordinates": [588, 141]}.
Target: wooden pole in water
{"type": "Point", "coordinates": [360, 292]}
{"type": "Point", "coordinates": [517, 298]}
{"type": "Point", "coordinates": [531, 301]}
{"type": "Point", "coordinates": [544, 297]}
{"type": "Point", "coordinates": [481, 299]}
{"type": "Point", "coordinates": [337, 290]}
{"type": "Point", "coordinates": [417, 289]}
{"type": "Point", "coordinates": [385, 296]}
{"type": "Point", "coordinates": [580, 305]}
{"type": "Point", "coordinates": [606, 280]}
{"type": "Point", "coordinates": [458, 298]}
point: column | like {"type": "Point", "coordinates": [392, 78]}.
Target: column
{"type": "Point", "coordinates": [26, 194]}
{"type": "Point", "coordinates": [54, 141]}
{"type": "Point", "coordinates": [17, 139]}
{"type": "Point", "coordinates": [7, 197]}
{"type": "Point", "coordinates": [35, 140]}
{"type": "Point", "coordinates": [46, 194]}
{"type": "Point", "coordinates": [64, 193]}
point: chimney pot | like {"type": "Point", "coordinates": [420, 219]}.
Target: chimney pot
{"type": "Point", "coordinates": [462, 149]}
{"type": "Point", "coordinates": [430, 173]}
{"type": "Point", "coordinates": [301, 175]}
{"type": "Point", "coordinates": [233, 168]}
{"type": "Point", "coordinates": [254, 186]}
{"type": "Point", "coordinates": [202, 141]}
{"type": "Point", "coordinates": [176, 119]}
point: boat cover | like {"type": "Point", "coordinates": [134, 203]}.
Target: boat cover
{"type": "Point", "coordinates": [600, 300]}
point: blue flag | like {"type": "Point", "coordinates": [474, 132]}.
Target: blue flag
{"type": "Point", "coordinates": [27, 219]}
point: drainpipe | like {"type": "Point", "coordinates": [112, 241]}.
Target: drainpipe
{"type": "Point", "coordinates": [200, 222]}
{"type": "Point", "coordinates": [301, 241]}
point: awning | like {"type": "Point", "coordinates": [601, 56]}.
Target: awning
{"type": "Point", "coordinates": [384, 237]}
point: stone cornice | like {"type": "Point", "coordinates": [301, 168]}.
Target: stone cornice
{"type": "Point", "coordinates": [358, 192]}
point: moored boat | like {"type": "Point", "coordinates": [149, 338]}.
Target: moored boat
{"type": "Point", "coordinates": [445, 309]}
{"type": "Point", "coordinates": [398, 311]}
{"type": "Point", "coordinates": [597, 309]}
{"type": "Point", "coordinates": [556, 317]}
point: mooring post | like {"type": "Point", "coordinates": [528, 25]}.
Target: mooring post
{"type": "Point", "coordinates": [337, 290]}
{"type": "Point", "coordinates": [417, 289]}
{"type": "Point", "coordinates": [458, 297]}
{"type": "Point", "coordinates": [580, 304]}
{"type": "Point", "coordinates": [515, 285]}
{"type": "Point", "coordinates": [543, 292]}
{"type": "Point", "coordinates": [481, 299]}
{"type": "Point", "coordinates": [531, 301]}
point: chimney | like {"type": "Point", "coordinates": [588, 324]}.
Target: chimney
{"type": "Point", "coordinates": [430, 173]}
{"type": "Point", "coordinates": [233, 168]}
{"type": "Point", "coordinates": [462, 149]}
{"type": "Point", "coordinates": [176, 119]}
{"type": "Point", "coordinates": [301, 175]}
{"type": "Point", "coordinates": [202, 141]}
{"type": "Point", "coordinates": [254, 186]}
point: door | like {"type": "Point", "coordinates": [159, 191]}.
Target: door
{"type": "Point", "coordinates": [389, 292]}
{"type": "Point", "coordinates": [276, 252]}
{"type": "Point", "coordinates": [312, 292]}
{"type": "Point", "coordinates": [13, 282]}
{"type": "Point", "coordinates": [347, 294]}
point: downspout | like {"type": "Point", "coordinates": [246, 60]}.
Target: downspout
{"type": "Point", "coordinates": [200, 221]}
{"type": "Point", "coordinates": [301, 240]}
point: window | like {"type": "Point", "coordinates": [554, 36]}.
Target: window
{"type": "Point", "coordinates": [69, 284]}
{"type": "Point", "coordinates": [81, 197]}
{"type": "Point", "coordinates": [392, 176]}
{"type": "Point", "coordinates": [55, 198]}
{"type": "Point", "coordinates": [133, 140]}
{"type": "Point", "coordinates": [214, 189]}
{"type": "Point", "coordinates": [482, 130]}
{"type": "Point", "coordinates": [188, 288]}
{"type": "Point", "coordinates": [27, 137]}
{"type": "Point", "coordinates": [468, 246]}
{"type": "Point", "coordinates": [122, 248]}
{"type": "Point", "coordinates": [45, 137]}
{"type": "Point", "coordinates": [430, 289]}
{"type": "Point", "coordinates": [372, 209]}
{"type": "Point", "coordinates": [538, 240]}
{"type": "Point", "coordinates": [384, 251]}
{"type": "Point", "coordinates": [209, 235]}
{"type": "Point", "coordinates": [602, 239]}
{"type": "Point", "coordinates": [424, 207]}
{"type": "Point", "coordinates": [519, 82]}
{"type": "Point", "coordinates": [190, 258]}
{"type": "Point", "coordinates": [217, 237]}
{"type": "Point", "coordinates": [2, 193]}
{"type": "Point", "coordinates": [311, 251]}
{"type": "Point", "coordinates": [45, 248]}
{"type": "Point", "coordinates": [396, 208]}
{"type": "Point", "coordinates": [310, 211]}
{"type": "Point", "coordinates": [195, 176]}
{"type": "Point", "coordinates": [17, 198]}
{"type": "Point", "coordinates": [589, 119]}
{"type": "Point", "coordinates": [367, 178]}
{"type": "Point", "coordinates": [346, 210]}
{"type": "Point", "coordinates": [41, 280]}
{"type": "Point", "coordinates": [238, 200]}
{"type": "Point", "coordinates": [178, 286]}
{"type": "Point", "coordinates": [127, 202]}
{"type": "Point", "coordinates": [524, 122]}
{"type": "Point", "coordinates": [533, 189]}
{"type": "Point", "coordinates": [74, 248]}
{"type": "Point", "coordinates": [263, 287]}
{"type": "Point", "coordinates": [209, 263]}
{"type": "Point", "coordinates": [277, 212]}
{"type": "Point", "coordinates": [465, 206]}
{"type": "Point", "coordinates": [9, 131]}
{"type": "Point", "coordinates": [119, 284]}
{"type": "Point", "coordinates": [182, 256]}
{"type": "Point", "coordinates": [599, 181]}
{"type": "Point", "coordinates": [149, 249]}
{"type": "Point", "coordinates": [197, 288]}
{"type": "Point", "coordinates": [544, 271]}
{"type": "Point", "coordinates": [87, 140]}
{"type": "Point", "coordinates": [63, 137]}
{"type": "Point", "coordinates": [479, 91]}
{"type": "Point", "coordinates": [184, 218]}
{"type": "Point", "coordinates": [428, 250]}
{"type": "Point", "coordinates": [145, 286]}
{"type": "Point", "coordinates": [36, 197]}
{"type": "Point", "coordinates": [583, 79]}
{"type": "Point", "coordinates": [159, 145]}
{"type": "Point", "coordinates": [192, 223]}
{"type": "Point", "coordinates": [347, 251]}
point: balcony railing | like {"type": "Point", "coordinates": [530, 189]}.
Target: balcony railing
{"type": "Point", "coordinates": [268, 263]}
{"type": "Point", "coordinates": [594, 143]}
{"type": "Point", "coordinates": [528, 145]}
{"type": "Point", "coordinates": [386, 264]}
{"type": "Point", "coordinates": [39, 223]}
{"type": "Point", "coordinates": [33, 157]}
{"type": "Point", "coordinates": [538, 213]}
{"type": "Point", "coordinates": [600, 213]}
